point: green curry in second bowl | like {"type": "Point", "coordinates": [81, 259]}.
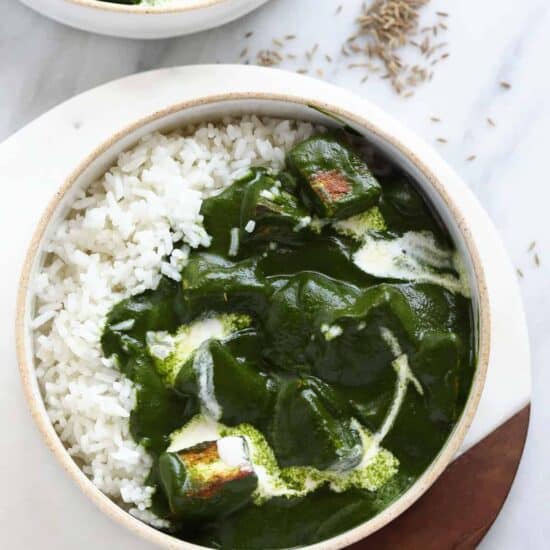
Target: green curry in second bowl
{"type": "Point", "coordinates": [309, 364]}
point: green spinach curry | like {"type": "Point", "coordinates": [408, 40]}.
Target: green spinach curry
{"type": "Point", "coordinates": [310, 363]}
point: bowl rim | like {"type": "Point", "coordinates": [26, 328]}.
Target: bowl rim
{"type": "Point", "coordinates": [441, 461]}
{"type": "Point", "coordinates": [138, 9]}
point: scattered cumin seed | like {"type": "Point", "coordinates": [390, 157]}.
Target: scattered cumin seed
{"type": "Point", "coordinates": [364, 79]}
{"type": "Point", "coordinates": [244, 52]}
{"type": "Point", "coordinates": [519, 272]}
{"type": "Point", "coordinates": [435, 119]}
{"type": "Point", "coordinates": [268, 58]}
{"type": "Point", "coordinates": [277, 43]}
{"type": "Point", "coordinates": [328, 58]}
{"type": "Point", "coordinates": [302, 71]}
{"type": "Point", "coordinates": [445, 55]}
{"type": "Point", "coordinates": [339, 9]}
{"type": "Point", "coordinates": [532, 246]}
{"type": "Point", "coordinates": [505, 85]}
{"type": "Point", "coordinates": [537, 260]}
{"type": "Point", "coordinates": [490, 121]}
{"type": "Point", "coordinates": [441, 140]}
{"type": "Point", "coordinates": [290, 37]}
{"type": "Point", "coordinates": [471, 157]}
{"type": "Point", "coordinates": [442, 13]}
{"type": "Point", "coordinates": [249, 34]}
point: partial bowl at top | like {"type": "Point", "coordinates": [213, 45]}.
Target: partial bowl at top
{"type": "Point", "coordinates": [145, 20]}
{"type": "Point", "coordinates": [261, 92]}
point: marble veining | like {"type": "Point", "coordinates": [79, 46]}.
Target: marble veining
{"type": "Point", "coordinates": [43, 63]}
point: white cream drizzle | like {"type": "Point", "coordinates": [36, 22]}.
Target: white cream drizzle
{"type": "Point", "coordinates": [415, 256]}
{"type": "Point", "coordinates": [203, 365]}
{"type": "Point", "coordinates": [404, 376]}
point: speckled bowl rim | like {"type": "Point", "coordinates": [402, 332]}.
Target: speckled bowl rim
{"type": "Point", "coordinates": [147, 10]}
{"type": "Point", "coordinates": [111, 509]}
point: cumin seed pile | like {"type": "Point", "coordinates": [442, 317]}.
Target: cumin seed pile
{"type": "Point", "coordinates": [386, 27]}
{"type": "Point", "coordinates": [387, 32]}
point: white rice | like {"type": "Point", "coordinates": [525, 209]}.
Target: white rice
{"type": "Point", "coordinates": [116, 242]}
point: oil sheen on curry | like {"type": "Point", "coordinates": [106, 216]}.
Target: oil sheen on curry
{"type": "Point", "coordinates": [312, 361]}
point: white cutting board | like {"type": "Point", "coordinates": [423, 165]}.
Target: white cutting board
{"type": "Point", "coordinates": [33, 164]}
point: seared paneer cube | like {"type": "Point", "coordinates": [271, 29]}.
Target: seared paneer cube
{"type": "Point", "coordinates": [209, 480]}
{"type": "Point", "coordinates": [334, 181]}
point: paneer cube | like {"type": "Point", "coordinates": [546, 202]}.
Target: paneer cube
{"type": "Point", "coordinates": [209, 480]}
{"type": "Point", "coordinates": [334, 181]}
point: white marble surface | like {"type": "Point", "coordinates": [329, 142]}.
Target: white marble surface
{"type": "Point", "coordinates": [43, 63]}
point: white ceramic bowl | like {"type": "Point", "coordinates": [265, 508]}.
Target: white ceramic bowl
{"type": "Point", "coordinates": [276, 93]}
{"type": "Point", "coordinates": [136, 21]}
